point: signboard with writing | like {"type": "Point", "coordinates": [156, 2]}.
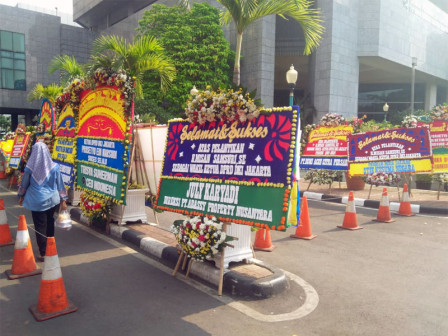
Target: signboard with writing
{"type": "Point", "coordinates": [326, 148]}
{"type": "Point", "coordinates": [400, 150]}
{"type": "Point", "coordinates": [239, 172]}
{"type": "Point", "coordinates": [20, 144]}
{"type": "Point", "coordinates": [438, 132]}
{"type": "Point", "coordinates": [65, 144]}
{"type": "Point", "coordinates": [102, 156]}
{"type": "Point", "coordinates": [46, 120]}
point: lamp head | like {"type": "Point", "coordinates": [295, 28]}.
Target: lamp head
{"type": "Point", "coordinates": [194, 91]}
{"type": "Point", "coordinates": [291, 76]}
{"type": "Point", "coordinates": [385, 107]}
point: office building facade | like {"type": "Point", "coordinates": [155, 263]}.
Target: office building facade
{"type": "Point", "coordinates": [28, 42]}
{"type": "Point", "coordinates": [364, 60]}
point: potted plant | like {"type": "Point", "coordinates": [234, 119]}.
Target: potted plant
{"type": "Point", "coordinates": [423, 181]}
{"type": "Point", "coordinates": [354, 182]}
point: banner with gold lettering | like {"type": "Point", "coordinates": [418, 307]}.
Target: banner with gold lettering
{"type": "Point", "coordinates": [102, 144]}
{"type": "Point", "coordinates": [438, 132]}
{"type": "Point", "coordinates": [65, 144]}
{"type": "Point", "coordinates": [326, 148]}
{"type": "Point", "coordinates": [240, 172]}
{"type": "Point", "coordinates": [400, 150]}
{"type": "Point", "coordinates": [18, 149]}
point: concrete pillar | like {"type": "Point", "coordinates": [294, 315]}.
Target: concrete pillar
{"type": "Point", "coordinates": [430, 96]}
{"type": "Point", "coordinates": [258, 59]}
{"type": "Point", "coordinates": [335, 63]}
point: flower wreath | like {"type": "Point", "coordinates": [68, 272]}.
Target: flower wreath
{"type": "Point", "coordinates": [200, 237]}
{"type": "Point", "coordinates": [440, 112]}
{"type": "Point", "coordinates": [383, 179]}
{"type": "Point", "coordinates": [94, 207]}
{"type": "Point", "coordinates": [332, 120]}
{"type": "Point", "coordinates": [305, 136]}
{"type": "Point", "coordinates": [221, 105]}
{"type": "Point", "coordinates": [409, 122]}
{"type": "Point", "coordinates": [125, 84]}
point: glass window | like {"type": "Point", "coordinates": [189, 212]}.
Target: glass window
{"type": "Point", "coordinates": [7, 79]}
{"type": "Point", "coordinates": [6, 40]}
{"type": "Point", "coordinates": [19, 80]}
{"type": "Point", "coordinates": [19, 65]}
{"type": "Point", "coordinates": [12, 61]}
{"type": "Point", "coordinates": [6, 63]}
{"type": "Point", "coordinates": [6, 54]}
{"type": "Point", "coordinates": [18, 42]}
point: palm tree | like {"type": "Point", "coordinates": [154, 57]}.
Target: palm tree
{"type": "Point", "coordinates": [145, 54]}
{"type": "Point", "coordinates": [69, 66]}
{"type": "Point", "coordinates": [51, 92]}
{"type": "Point", "coordinates": [245, 12]}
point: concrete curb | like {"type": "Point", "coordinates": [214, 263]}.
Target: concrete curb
{"type": "Point", "coordinates": [394, 206]}
{"type": "Point", "coordinates": [234, 283]}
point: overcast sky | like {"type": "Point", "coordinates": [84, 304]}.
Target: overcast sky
{"type": "Point", "coordinates": [65, 6]}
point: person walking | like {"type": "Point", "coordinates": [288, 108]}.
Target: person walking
{"type": "Point", "coordinates": [42, 191]}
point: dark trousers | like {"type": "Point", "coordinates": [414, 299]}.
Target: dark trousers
{"type": "Point", "coordinates": [44, 225]}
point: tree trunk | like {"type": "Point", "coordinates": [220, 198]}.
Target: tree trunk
{"type": "Point", "coordinates": [236, 69]}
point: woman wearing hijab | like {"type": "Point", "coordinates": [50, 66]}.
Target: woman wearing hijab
{"type": "Point", "coordinates": [41, 191]}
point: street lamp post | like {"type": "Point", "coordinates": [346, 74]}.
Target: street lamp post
{"type": "Point", "coordinates": [385, 109]}
{"type": "Point", "coordinates": [291, 78]}
{"type": "Point", "coordinates": [414, 64]}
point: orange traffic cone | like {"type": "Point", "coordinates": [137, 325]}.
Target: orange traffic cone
{"type": "Point", "coordinates": [263, 241]}
{"type": "Point", "coordinates": [383, 214]}
{"type": "Point", "coordinates": [52, 301]}
{"type": "Point", "coordinates": [23, 263]}
{"type": "Point", "coordinates": [350, 220]}
{"type": "Point", "coordinates": [5, 233]}
{"type": "Point", "coordinates": [2, 170]}
{"type": "Point", "coordinates": [405, 205]}
{"type": "Point", "coordinates": [303, 230]}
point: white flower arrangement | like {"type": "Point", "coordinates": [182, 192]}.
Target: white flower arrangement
{"type": "Point", "coordinates": [409, 122]}
{"type": "Point", "coordinates": [200, 237]}
{"type": "Point", "coordinates": [221, 105]}
{"type": "Point", "coordinates": [441, 177]}
{"type": "Point", "coordinates": [332, 120]}
{"type": "Point", "coordinates": [440, 112]}
{"type": "Point", "coordinates": [384, 179]}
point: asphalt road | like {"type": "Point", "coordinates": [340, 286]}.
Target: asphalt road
{"type": "Point", "coordinates": [387, 279]}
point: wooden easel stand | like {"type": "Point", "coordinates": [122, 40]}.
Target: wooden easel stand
{"type": "Point", "coordinates": [183, 259]}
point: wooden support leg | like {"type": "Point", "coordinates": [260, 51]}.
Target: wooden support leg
{"type": "Point", "coordinates": [179, 260]}
{"type": "Point", "coordinates": [370, 191]}
{"type": "Point", "coordinates": [189, 268]}
{"type": "Point", "coordinates": [185, 262]}
{"type": "Point", "coordinates": [221, 272]}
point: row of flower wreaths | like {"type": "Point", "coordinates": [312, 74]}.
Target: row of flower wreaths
{"type": "Point", "coordinates": [325, 176]}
